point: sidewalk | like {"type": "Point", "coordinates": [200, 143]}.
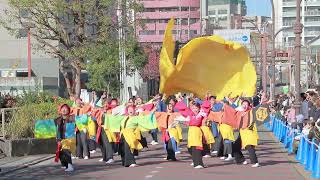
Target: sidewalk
{"type": "Point", "coordinates": [10, 164]}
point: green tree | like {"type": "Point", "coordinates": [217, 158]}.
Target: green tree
{"type": "Point", "coordinates": [103, 68]}
{"type": "Point", "coordinates": [69, 29]}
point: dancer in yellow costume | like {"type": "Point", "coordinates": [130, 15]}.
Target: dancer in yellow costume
{"type": "Point", "coordinates": [66, 137]}
{"type": "Point", "coordinates": [248, 138]}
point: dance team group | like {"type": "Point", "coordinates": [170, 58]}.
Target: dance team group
{"type": "Point", "coordinates": [118, 129]}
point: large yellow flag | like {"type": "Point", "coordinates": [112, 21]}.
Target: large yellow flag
{"type": "Point", "coordinates": [166, 66]}
{"type": "Point", "coordinates": [207, 64]}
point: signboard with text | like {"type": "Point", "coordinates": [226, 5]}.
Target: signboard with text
{"type": "Point", "coordinates": [241, 36]}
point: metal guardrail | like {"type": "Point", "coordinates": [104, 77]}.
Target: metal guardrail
{"type": "Point", "coordinates": [4, 120]}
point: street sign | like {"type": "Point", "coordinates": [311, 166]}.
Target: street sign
{"type": "Point", "coordinates": [282, 54]}
{"type": "Point", "coordinates": [241, 36]}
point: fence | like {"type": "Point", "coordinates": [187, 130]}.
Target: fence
{"type": "Point", "coordinates": [4, 119]}
{"type": "Point", "coordinates": [308, 153]}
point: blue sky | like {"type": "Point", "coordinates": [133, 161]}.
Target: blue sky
{"type": "Point", "coordinates": [258, 7]}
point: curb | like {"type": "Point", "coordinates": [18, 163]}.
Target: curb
{"type": "Point", "coordinates": [26, 165]}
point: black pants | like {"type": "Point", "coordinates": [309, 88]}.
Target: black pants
{"type": "Point", "coordinates": [82, 145]}
{"type": "Point", "coordinates": [127, 156]}
{"type": "Point", "coordinates": [171, 155]}
{"type": "Point", "coordinates": [65, 157]}
{"type": "Point", "coordinates": [218, 145]}
{"type": "Point", "coordinates": [196, 155]}
{"type": "Point", "coordinates": [154, 134]}
{"type": "Point", "coordinates": [206, 149]}
{"type": "Point", "coordinates": [238, 154]}
{"type": "Point", "coordinates": [92, 144]}
{"type": "Point", "coordinates": [227, 148]}
{"type": "Point", "coordinates": [106, 147]}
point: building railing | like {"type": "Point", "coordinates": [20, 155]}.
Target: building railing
{"type": "Point", "coordinates": [308, 153]}
{"type": "Point", "coordinates": [312, 23]}
{"type": "Point", "coordinates": [289, 3]}
{"type": "Point", "coordinates": [289, 14]}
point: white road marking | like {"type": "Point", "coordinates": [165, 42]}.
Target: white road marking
{"type": "Point", "coordinates": [153, 172]}
{"type": "Point", "coordinates": [148, 176]}
{"type": "Point", "coordinates": [159, 167]}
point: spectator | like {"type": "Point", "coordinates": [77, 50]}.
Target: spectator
{"type": "Point", "coordinates": [304, 106]}
{"type": "Point", "coordinates": [315, 113]}
{"type": "Point", "coordinates": [315, 132]}
{"type": "Point", "coordinates": [291, 116]}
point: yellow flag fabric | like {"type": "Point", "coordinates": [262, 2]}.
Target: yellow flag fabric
{"type": "Point", "coordinates": [206, 64]}
{"type": "Point", "coordinates": [166, 66]}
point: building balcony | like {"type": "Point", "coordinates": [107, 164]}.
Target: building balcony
{"type": "Point", "coordinates": [168, 15]}
{"type": "Point", "coordinates": [289, 4]}
{"type": "Point", "coordinates": [289, 14]}
{"type": "Point", "coordinates": [312, 13]}
{"type": "Point", "coordinates": [170, 3]}
{"type": "Point", "coordinates": [312, 23]}
{"type": "Point", "coordinates": [312, 3]}
{"type": "Point", "coordinates": [288, 34]}
{"type": "Point", "coordinates": [288, 24]}
{"type": "Point", "coordinates": [311, 33]}
{"type": "Point", "coordinates": [159, 38]}
{"type": "Point", "coordinates": [162, 26]}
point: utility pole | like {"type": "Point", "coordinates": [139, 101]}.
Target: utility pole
{"type": "Point", "coordinates": [189, 22]}
{"type": "Point", "coordinates": [264, 51]}
{"type": "Point", "coordinates": [29, 54]}
{"type": "Point", "coordinates": [180, 22]}
{"type": "Point", "coordinates": [297, 52]}
{"type": "Point", "coordinates": [122, 55]}
{"type": "Point", "coordinates": [273, 54]}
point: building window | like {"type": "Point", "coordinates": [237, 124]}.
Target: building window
{"type": "Point", "coordinates": [163, 20]}
{"type": "Point", "coordinates": [168, 9]}
{"type": "Point", "coordinates": [185, 21]}
{"type": "Point", "coordinates": [161, 32]}
{"type": "Point", "coordinates": [212, 12]}
{"type": "Point", "coordinates": [147, 32]}
{"type": "Point", "coordinates": [148, 21]}
{"type": "Point", "coordinates": [223, 18]}
{"type": "Point", "coordinates": [193, 32]}
{"type": "Point", "coordinates": [149, 10]}
{"type": "Point", "coordinates": [223, 11]}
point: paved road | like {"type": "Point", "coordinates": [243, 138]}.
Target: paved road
{"type": "Point", "coordinates": [274, 161]}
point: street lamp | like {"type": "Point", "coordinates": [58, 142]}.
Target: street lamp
{"type": "Point", "coordinates": [297, 52]}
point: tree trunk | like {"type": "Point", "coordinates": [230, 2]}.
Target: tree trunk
{"type": "Point", "coordinates": [66, 78]}
{"type": "Point", "coordinates": [77, 82]}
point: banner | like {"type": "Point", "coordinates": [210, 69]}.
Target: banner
{"type": "Point", "coordinates": [45, 129]}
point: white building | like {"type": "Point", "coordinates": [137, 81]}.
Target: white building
{"type": "Point", "coordinates": [220, 14]}
{"type": "Point", "coordinates": [285, 11]}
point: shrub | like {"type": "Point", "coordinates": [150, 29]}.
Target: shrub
{"type": "Point", "coordinates": [22, 123]}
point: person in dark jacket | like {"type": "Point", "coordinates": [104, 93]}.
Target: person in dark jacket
{"type": "Point", "coordinates": [61, 124]}
{"type": "Point", "coordinates": [315, 115]}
